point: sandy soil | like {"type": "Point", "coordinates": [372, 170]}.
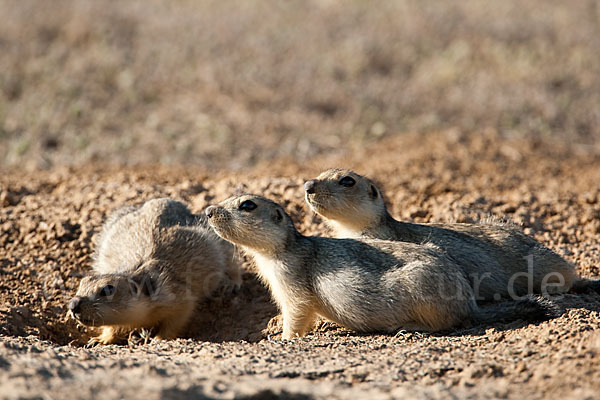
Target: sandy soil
{"type": "Point", "coordinates": [49, 221]}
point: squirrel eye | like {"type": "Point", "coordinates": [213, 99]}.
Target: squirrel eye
{"type": "Point", "coordinates": [247, 205]}
{"type": "Point", "coordinates": [107, 290]}
{"type": "Point", "coordinates": [347, 181]}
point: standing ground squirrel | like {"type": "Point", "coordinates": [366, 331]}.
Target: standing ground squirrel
{"type": "Point", "coordinates": [368, 286]}
{"type": "Point", "coordinates": [500, 260]}
{"type": "Point", "coordinates": [152, 264]}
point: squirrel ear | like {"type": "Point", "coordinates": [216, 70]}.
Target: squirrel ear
{"type": "Point", "coordinates": [373, 192]}
{"type": "Point", "coordinates": [278, 216]}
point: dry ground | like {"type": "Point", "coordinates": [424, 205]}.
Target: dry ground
{"type": "Point", "coordinates": [50, 219]}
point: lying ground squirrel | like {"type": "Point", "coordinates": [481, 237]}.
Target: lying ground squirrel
{"type": "Point", "coordinates": [152, 264]}
{"type": "Point", "coordinates": [500, 260]}
{"type": "Point", "coordinates": [368, 286]}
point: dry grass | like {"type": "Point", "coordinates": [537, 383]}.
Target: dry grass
{"type": "Point", "coordinates": [225, 84]}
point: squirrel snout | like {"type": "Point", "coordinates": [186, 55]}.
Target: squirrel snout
{"type": "Point", "coordinates": [75, 305]}
{"type": "Point", "coordinates": [309, 186]}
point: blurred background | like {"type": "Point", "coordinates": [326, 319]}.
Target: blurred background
{"type": "Point", "coordinates": [227, 84]}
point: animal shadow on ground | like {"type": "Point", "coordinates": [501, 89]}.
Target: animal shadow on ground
{"type": "Point", "coordinates": [581, 304]}
{"type": "Point", "coordinates": [241, 316]}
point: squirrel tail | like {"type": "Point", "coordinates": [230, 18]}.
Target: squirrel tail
{"type": "Point", "coordinates": [584, 285]}
{"type": "Point", "coordinates": [531, 308]}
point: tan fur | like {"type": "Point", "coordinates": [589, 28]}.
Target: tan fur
{"type": "Point", "coordinates": [498, 257]}
{"type": "Point", "coordinates": [371, 285]}
{"type": "Point", "coordinates": [155, 262]}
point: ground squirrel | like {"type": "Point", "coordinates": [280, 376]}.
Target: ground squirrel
{"type": "Point", "coordinates": [368, 286]}
{"type": "Point", "coordinates": [152, 264]}
{"type": "Point", "coordinates": [500, 260]}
